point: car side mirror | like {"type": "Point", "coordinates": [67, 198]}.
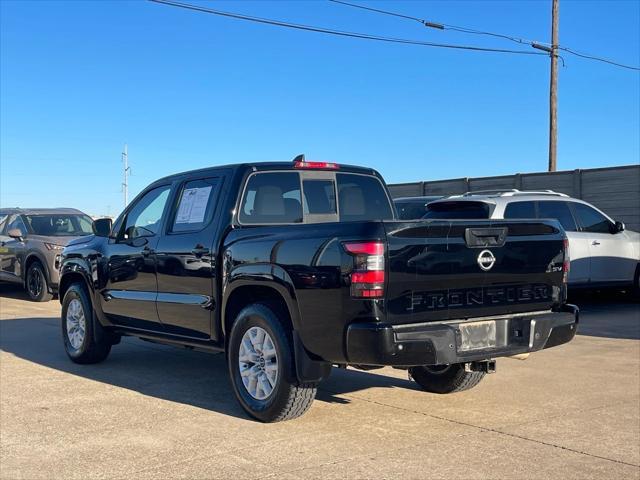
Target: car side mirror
{"type": "Point", "coordinates": [16, 234]}
{"type": "Point", "coordinates": [619, 227]}
{"type": "Point", "coordinates": [102, 227]}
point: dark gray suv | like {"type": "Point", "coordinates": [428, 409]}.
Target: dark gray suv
{"type": "Point", "coordinates": [30, 242]}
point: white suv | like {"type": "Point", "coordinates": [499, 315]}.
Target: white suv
{"type": "Point", "coordinates": [603, 252]}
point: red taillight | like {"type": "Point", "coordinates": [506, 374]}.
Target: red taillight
{"type": "Point", "coordinates": [323, 165]}
{"type": "Point", "coordinates": [366, 248]}
{"type": "Point", "coordinates": [375, 276]}
{"type": "Point", "coordinates": [367, 278]}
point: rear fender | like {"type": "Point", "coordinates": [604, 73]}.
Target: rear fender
{"type": "Point", "coordinates": [267, 275]}
{"type": "Point", "coordinates": [275, 277]}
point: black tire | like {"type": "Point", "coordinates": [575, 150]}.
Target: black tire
{"type": "Point", "coordinates": [289, 398]}
{"type": "Point", "coordinates": [446, 378]}
{"type": "Point", "coordinates": [88, 350]}
{"type": "Point", "coordinates": [36, 283]}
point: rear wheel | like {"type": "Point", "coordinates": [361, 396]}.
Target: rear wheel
{"type": "Point", "coordinates": [77, 328]}
{"type": "Point", "coordinates": [36, 283]}
{"type": "Point", "coordinates": [261, 365]}
{"type": "Point", "coordinates": [445, 378]}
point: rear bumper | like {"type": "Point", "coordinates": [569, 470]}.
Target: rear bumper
{"type": "Point", "coordinates": [440, 343]}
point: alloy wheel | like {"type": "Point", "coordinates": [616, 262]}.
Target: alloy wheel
{"type": "Point", "coordinates": [258, 362]}
{"type": "Point", "coordinates": [76, 323]}
{"type": "Point", "coordinates": [34, 283]}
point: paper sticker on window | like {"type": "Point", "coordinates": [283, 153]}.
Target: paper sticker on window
{"type": "Point", "coordinates": [193, 205]}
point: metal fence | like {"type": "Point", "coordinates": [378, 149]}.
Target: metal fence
{"type": "Point", "coordinates": [614, 190]}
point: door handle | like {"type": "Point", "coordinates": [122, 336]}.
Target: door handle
{"type": "Point", "coordinates": [146, 251]}
{"type": "Point", "coordinates": [595, 242]}
{"type": "Point", "coordinates": [199, 251]}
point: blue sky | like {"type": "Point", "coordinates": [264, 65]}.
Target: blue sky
{"type": "Point", "coordinates": [187, 90]}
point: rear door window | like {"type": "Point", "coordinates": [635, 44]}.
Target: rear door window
{"type": "Point", "coordinates": [196, 205]}
{"type": "Point", "coordinates": [520, 210]}
{"type": "Point", "coordinates": [558, 210]}
{"type": "Point", "coordinates": [458, 210]}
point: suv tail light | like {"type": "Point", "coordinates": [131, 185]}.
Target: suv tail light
{"type": "Point", "coordinates": [566, 264]}
{"type": "Point", "coordinates": [367, 277]}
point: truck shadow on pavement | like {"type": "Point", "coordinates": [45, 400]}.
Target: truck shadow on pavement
{"type": "Point", "coordinates": [169, 373]}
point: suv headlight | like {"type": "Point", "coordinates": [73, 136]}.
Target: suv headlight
{"type": "Point", "coordinates": [53, 246]}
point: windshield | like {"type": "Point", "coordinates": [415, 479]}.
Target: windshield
{"type": "Point", "coordinates": [59, 225]}
{"type": "Point", "coordinates": [457, 210]}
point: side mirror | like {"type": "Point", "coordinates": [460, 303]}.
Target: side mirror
{"type": "Point", "coordinates": [102, 227]}
{"type": "Point", "coordinates": [619, 227]}
{"type": "Point", "coordinates": [16, 234]}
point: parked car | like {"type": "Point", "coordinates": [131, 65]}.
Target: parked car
{"type": "Point", "coordinates": [411, 208]}
{"type": "Point", "coordinates": [291, 268]}
{"type": "Point", "coordinates": [603, 253]}
{"type": "Point", "coordinates": [30, 241]}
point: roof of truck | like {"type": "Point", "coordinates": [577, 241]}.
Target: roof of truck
{"type": "Point", "coordinates": [266, 166]}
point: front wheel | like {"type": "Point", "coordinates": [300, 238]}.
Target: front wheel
{"type": "Point", "coordinates": [77, 328]}
{"type": "Point", "coordinates": [36, 283]}
{"type": "Point", "coordinates": [445, 378]}
{"type": "Point", "coordinates": [261, 365]}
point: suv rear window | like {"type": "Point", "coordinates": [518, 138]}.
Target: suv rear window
{"type": "Point", "coordinates": [458, 210]}
{"type": "Point", "coordinates": [276, 198]}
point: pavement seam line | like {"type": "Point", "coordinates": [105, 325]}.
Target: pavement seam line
{"type": "Point", "coordinates": [560, 415]}
{"type": "Point", "coordinates": [489, 429]}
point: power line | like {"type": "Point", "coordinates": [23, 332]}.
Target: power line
{"type": "Point", "coordinates": [342, 33]}
{"type": "Point", "coordinates": [456, 28]}
{"type": "Point", "coordinates": [599, 59]}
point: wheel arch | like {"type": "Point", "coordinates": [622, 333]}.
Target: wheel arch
{"type": "Point", "coordinates": [71, 273]}
{"type": "Point", "coordinates": [32, 257]}
{"type": "Point", "coordinates": [247, 292]}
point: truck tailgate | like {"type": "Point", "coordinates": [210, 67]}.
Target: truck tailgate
{"type": "Point", "coordinates": [457, 269]}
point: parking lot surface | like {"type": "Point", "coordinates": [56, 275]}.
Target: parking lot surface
{"type": "Point", "coordinates": [151, 411]}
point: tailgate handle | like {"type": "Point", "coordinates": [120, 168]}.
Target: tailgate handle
{"type": "Point", "coordinates": [485, 237]}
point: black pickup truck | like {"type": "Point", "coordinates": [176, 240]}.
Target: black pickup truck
{"type": "Point", "coordinates": [292, 268]}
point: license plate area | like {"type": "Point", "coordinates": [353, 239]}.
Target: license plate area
{"type": "Point", "coordinates": [485, 335]}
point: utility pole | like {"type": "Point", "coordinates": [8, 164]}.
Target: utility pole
{"type": "Point", "coordinates": [553, 88]}
{"type": "Point", "coordinates": [126, 172]}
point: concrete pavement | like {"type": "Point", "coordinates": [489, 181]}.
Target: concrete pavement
{"type": "Point", "coordinates": [151, 411]}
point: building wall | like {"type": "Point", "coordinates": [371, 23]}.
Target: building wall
{"type": "Point", "coordinates": [614, 190]}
